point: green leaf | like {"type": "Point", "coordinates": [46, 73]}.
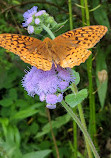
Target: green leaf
{"type": "Point", "coordinates": [4, 122]}
{"type": "Point", "coordinates": [74, 99]}
{"type": "Point", "coordinates": [10, 150]}
{"type": "Point", "coordinates": [37, 154]}
{"type": "Point", "coordinates": [3, 76]}
{"type": "Point", "coordinates": [6, 102]}
{"type": "Point", "coordinates": [13, 93]}
{"type": "Point", "coordinates": [15, 2]}
{"type": "Point", "coordinates": [76, 74]}
{"type": "Point", "coordinates": [17, 136]}
{"type": "Point", "coordinates": [60, 121]}
{"type": "Point", "coordinates": [101, 87]}
{"type": "Point", "coordinates": [24, 114]}
{"type": "Point", "coordinates": [57, 26]}
{"type": "Point", "coordinates": [10, 133]}
{"type": "Point", "coordinates": [44, 145]}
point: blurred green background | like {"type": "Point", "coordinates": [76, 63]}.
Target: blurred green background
{"type": "Point", "coordinates": [24, 125]}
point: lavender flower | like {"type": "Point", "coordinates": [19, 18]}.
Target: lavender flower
{"type": "Point", "coordinates": [30, 12]}
{"type": "Point", "coordinates": [49, 106]}
{"type": "Point", "coordinates": [32, 18]}
{"type": "Point", "coordinates": [30, 29]}
{"type": "Point", "coordinates": [47, 84]}
{"type": "Point", "coordinates": [37, 21]}
{"type": "Point", "coordinates": [40, 13]}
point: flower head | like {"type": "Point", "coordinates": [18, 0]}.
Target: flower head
{"type": "Point", "coordinates": [35, 18]}
{"type": "Point", "coordinates": [37, 21]}
{"type": "Point", "coordinates": [40, 13]}
{"type": "Point", "coordinates": [30, 29]}
{"type": "Point", "coordinates": [32, 18]}
{"type": "Point", "coordinates": [47, 84]}
{"type": "Point", "coordinates": [30, 12]}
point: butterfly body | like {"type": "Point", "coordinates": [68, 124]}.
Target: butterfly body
{"type": "Point", "coordinates": [67, 50]}
{"type": "Point", "coordinates": [51, 47]}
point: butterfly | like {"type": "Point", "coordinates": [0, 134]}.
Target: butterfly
{"type": "Point", "coordinates": [67, 50]}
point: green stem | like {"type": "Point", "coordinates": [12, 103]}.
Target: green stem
{"type": "Point", "coordinates": [70, 14]}
{"type": "Point", "coordinates": [75, 144]}
{"type": "Point", "coordinates": [87, 12]}
{"type": "Point", "coordinates": [92, 122]}
{"type": "Point", "coordinates": [84, 124]}
{"type": "Point", "coordinates": [83, 129]}
{"type": "Point", "coordinates": [74, 89]}
{"type": "Point", "coordinates": [75, 136]}
{"type": "Point", "coordinates": [48, 31]}
{"type": "Point", "coordinates": [83, 12]}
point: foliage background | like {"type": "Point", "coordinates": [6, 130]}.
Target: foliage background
{"type": "Point", "coordinates": [24, 125]}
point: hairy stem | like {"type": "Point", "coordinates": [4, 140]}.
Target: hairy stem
{"type": "Point", "coordinates": [83, 129]}
{"type": "Point", "coordinates": [74, 89]}
{"type": "Point", "coordinates": [48, 31]}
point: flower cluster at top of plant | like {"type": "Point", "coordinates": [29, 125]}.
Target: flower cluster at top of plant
{"type": "Point", "coordinates": [34, 20]}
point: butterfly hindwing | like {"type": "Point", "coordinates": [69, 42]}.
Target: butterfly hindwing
{"type": "Point", "coordinates": [75, 57]}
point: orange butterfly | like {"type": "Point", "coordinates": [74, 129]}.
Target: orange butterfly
{"type": "Point", "coordinates": [66, 50]}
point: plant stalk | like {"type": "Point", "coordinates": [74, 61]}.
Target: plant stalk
{"type": "Point", "coordinates": [83, 129]}
{"type": "Point", "coordinates": [92, 121]}
{"type": "Point", "coordinates": [74, 89]}
{"type": "Point", "coordinates": [75, 144]}
{"type": "Point", "coordinates": [48, 31]}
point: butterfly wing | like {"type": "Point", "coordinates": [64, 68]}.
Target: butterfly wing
{"type": "Point", "coordinates": [30, 50]}
{"type": "Point", "coordinates": [75, 57]}
{"type": "Point", "coordinates": [71, 47]}
{"type": "Point", "coordinates": [84, 37]}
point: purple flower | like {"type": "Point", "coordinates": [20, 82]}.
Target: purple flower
{"type": "Point", "coordinates": [65, 74]}
{"type": "Point", "coordinates": [63, 85]}
{"type": "Point", "coordinates": [50, 106]}
{"type": "Point", "coordinates": [31, 15]}
{"type": "Point", "coordinates": [40, 13]}
{"type": "Point", "coordinates": [47, 84]}
{"type": "Point", "coordinates": [28, 17]}
{"type": "Point", "coordinates": [28, 21]}
{"type": "Point", "coordinates": [42, 97]}
{"type": "Point", "coordinates": [30, 29]}
{"type": "Point", "coordinates": [51, 99]}
{"type": "Point", "coordinates": [37, 21]}
{"type": "Point", "coordinates": [30, 12]}
{"type": "Point", "coordinates": [60, 97]}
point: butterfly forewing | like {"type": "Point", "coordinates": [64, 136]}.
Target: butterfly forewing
{"type": "Point", "coordinates": [30, 50]}
{"type": "Point", "coordinates": [84, 37]}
